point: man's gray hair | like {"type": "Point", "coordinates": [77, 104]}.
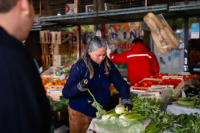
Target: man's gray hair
{"type": "Point", "coordinates": [93, 45]}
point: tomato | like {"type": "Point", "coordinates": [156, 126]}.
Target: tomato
{"type": "Point", "coordinates": [166, 74]}
{"type": "Point", "coordinates": [185, 78]}
{"type": "Point", "coordinates": [152, 76]}
{"type": "Point", "coordinates": [157, 75]}
{"type": "Point", "coordinates": [195, 75]}
{"type": "Point", "coordinates": [191, 78]}
{"type": "Point", "coordinates": [136, 84]}
{"type": "Point", "coordinates": [145, 84]}
{"type": "Point", "coordinates": [160, 74]}
{"type": "Point", "coordinates": [149, 82]}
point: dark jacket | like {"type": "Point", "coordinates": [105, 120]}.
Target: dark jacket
{"type": "Point", "coordinates": [98, 85]}
{"type": "Point", "coordinates": [24, 107]}
{"type": "Point", "coordinates": [141, 62]}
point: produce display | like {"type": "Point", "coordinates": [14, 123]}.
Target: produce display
{"type": "Point", "coordinates": [61, 70]}
{"type": "Point", "coordinates": [163, 36]}
{"type": "Point", "coordinates": [55, 108]}
{"type": "Point", "coordinates": [182, 123]}
{"type": "Point", "coordinates": [147, 83]}
{"type": "Point", "coordinates": [146, 108]}
{"type": "Point", "coordinates": [54, 83]}
{"type": "Point", "coordinates": [170, 81]}
{"type": "Point", "coordinates": [188, 77]}
{"type": "Point", "coordinates": [189, 101]}
{"type": "Point", "coordinates": [59, 106]}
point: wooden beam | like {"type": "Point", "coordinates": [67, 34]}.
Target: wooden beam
{"type": "Point", "coordinates": [76, 6]}
{"type": "Point", "coordinates": [145, 3]}
{"type": "Point", "coordinates": [79, 31]}
{"type": "Point", "coordinates": [40, 8]}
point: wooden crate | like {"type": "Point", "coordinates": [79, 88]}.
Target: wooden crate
{"type": "Point", "coordinates": [44, 37]}
{"type": "Point", "coordinates": [59, 60]}
{"type": "Point", "coordinates": [149, 95]}
{"type": "Point", "coordinates": [62, 49]}
{"type": "Point", "coordinates": [59, 37]}
{"type": "Point", "coordinates": [179, 87]}
{"type": "Point", "coordinates": [144, 88]}
{"type": "Point", "coordinates": [46, 60]}
{"type": "Point", "coordinates": [45, 49]}
{"type": "Point", "coordinates": [62, 115]}
{"type": "Point", "coordinates": [189, 82]}
{"type": "Point", "coordinates": [177, 94]}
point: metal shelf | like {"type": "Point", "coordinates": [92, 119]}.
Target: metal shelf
{"type": "Point", "coordinates": [109, 16]}
{"type": "Point", "coordinates": [43, 25]}
{"type": "Point", "coordinates": [124, 15]}
{"type": "Point", "coordinates": [185, 10]}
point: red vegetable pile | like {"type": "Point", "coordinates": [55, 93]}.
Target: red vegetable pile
{"type": "Point", "coordinates": [170, 81]}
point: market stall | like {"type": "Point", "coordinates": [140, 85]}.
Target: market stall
{"type": "Point", "coordinates": [159, 86]}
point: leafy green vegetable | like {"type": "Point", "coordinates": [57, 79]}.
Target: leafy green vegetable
{"type": "Point", "coordinates": [148, 107]}
{"type": "Point", "coordinates": [64, 101]}
{"type": "Point", "coordinates": [100, 111]}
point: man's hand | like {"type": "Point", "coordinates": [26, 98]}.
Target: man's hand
{"type": "Point", "coordinates": [83, 85]}
{"type": "Point", "coordinates": [127, 104]}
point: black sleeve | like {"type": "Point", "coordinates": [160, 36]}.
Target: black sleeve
{"type": "Point", "coordinates": [24, 107]}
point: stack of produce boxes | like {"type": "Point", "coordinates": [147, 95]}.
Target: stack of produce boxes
{"type": "Point", "coordinates": [45, 57]}
{"type": "Point", "coordinates": [54, 80]}
{"type": "Point", "coordinates": [61, 47]}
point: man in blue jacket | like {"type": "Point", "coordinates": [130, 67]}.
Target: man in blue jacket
{"type": "Point", "coordinates": [24, 107]}
{"type": "Point", "coordinates": [100, 73]}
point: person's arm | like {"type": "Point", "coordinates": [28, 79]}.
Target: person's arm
{"type": "Point", "coordinates": [154, 64]}
{"type": "Point", "coordinates": [70, 89]}
{"type": "Point", "coordinates": [119, 59]}
{"type": "Point", "coordinates": [119, 83]}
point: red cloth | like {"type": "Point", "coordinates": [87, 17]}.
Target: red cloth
{"type": "Point", "coordinates": [140, 61]}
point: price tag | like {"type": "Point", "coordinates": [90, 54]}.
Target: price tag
{"type": "Point", "coordinates": [62, 77]}
{"type": "Point", "coordinates": [54, 92]}
{"type": "Point", "coordinates": [149, 95]}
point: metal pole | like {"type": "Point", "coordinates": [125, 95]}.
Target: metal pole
{"type": "Point", "coordinates": [186, 30]}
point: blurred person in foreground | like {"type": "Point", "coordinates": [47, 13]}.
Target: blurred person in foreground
{"type": "Point", "coordinates": [24, 107]}
{"type": "Point", "coordinates": [141, 63]}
